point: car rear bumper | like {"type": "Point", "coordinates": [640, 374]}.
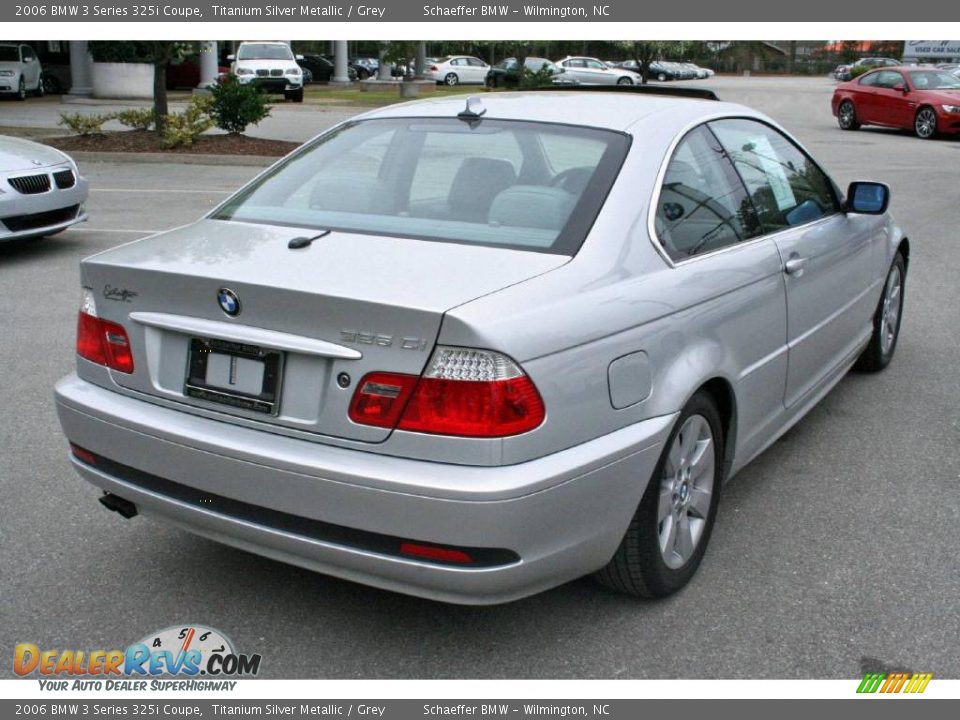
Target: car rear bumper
{"type": "Point", "coordinates": [337, 510]}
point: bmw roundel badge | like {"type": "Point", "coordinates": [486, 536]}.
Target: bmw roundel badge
{"type": "Point", "coordinates": [228, 301]}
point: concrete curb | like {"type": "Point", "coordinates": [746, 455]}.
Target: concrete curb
{"type": "Point", "coordinates": [172, 158]}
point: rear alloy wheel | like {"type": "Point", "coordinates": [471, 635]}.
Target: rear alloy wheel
{"type": "Point", "coordinates": [662, 77]}
{"type": "Point", "coordinates": [666, 539]}
{"type": "Point", "coordinates": [886, 321]}
{"type": "Point", "coordinates": [925, 124]}
{"type": "Point", "coordinates": [847, 116]}
{"type": "Point", "coordinates": [22, 90]}
{"type": "Point", "coordinates": [451, 79]}
{"type": "Point", "coordinates": [624, 81]}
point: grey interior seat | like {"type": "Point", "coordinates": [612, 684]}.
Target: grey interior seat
{"type": "Point", "coordinates": [477, 182]}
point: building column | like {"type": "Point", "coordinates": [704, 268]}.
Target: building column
{"type": "Point", "coordinates": [81, 69]}
{"type": "Point", "coordinates": [383, 70]}
{"type": "Point", "coordinates": [421, 59]}
{"type": "Point", "coordinates": [208, 65]}
{"type": "Point", "coordinates": [340, 63]}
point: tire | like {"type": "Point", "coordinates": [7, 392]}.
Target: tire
{"type": "Point", "coordinates": [295, 95]}
{"type": "Point", "coordinates": [639, 567]}
{"type": "Point", "coordinates": [624, 81]}
{"type": "Point", "coordinates": [451, 79]}
{"type": "Point", "coordinates": [39, 92]}
{"type": "Point", "coordinates": [886, 320]}
{"type": "Point", "coordinates": [51, 86]}
{"type": "Point", "coordinates": [362, 74]}
{"type": "Point", "coordinates": [847, 116]}
{"type": "Point", "coordinates": [22, 90]}
{"type": "Point", "coordinates": [925, 123]}
{"type": "Point", "coordinates": [661, 77]}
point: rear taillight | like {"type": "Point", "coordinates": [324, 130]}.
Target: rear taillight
{"type": "Point", "coordinates": [102, 341]}
{"type": "Point", "coordinates": [466, 392]}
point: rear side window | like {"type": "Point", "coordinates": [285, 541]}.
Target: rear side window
{"type": "Point", "coordinates": [703, 205]}
{"type": "Point", "coordinates": [786, 187]}
{"type": "Point", "coordinates": [525, 185]}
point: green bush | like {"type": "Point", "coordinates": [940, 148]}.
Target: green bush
{"type": "Point", "coordinates": [183, 129]}
{"type": "Point", "coordinates": [136, 118]}
{"type": "Point", "coordinates": [83, 124]}
{"type": "Point", "coordinates": [541, 78]}
{"type": "Point", "coordinates": [235, 106]}
{"type": "Point", "coordinates": [858, 70]}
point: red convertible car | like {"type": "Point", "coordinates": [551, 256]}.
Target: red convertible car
{"type": "Point", "coordinates": [925, 100]}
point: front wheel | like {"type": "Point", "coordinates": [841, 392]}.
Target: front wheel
{"type": "Point", "coordinates": [925, 124]}
{"type": "Point", "coordinates": [22, 90]}
{"type": "Point", "coordinates": [295, 95]}
{"type": "Point", "coordinates": [669, 532]}
{"type": "Point", "coordinates": [886, 321]}
{"type": "Point", "coordinates": [41, 87]}
{"type": "Point", "coordinates": [847, 116]}
{"type": "Point", "coordinates": [624, 81]}
{"type": "Point", "coordinates": [662, 77]}
{"type": "Point", "coordinates": [451, 79]}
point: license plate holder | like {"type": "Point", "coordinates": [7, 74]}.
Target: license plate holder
{"type": "Point", "coordinates": [242, 376]}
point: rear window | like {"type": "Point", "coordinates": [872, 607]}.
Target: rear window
{"type": "Point", "coordinates": [524, 185]}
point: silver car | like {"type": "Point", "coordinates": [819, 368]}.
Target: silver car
{"type": "Point", "coordinates": [41, 190]}
{"type": "Point", "coordinates": [473, 352]}
{"type": "Point", "coordinates": [590, 71]}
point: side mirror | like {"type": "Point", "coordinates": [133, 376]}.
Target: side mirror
{"type": "Point", "coordinates": [231, 58]}
{"type": "Point", "coordinates": [298, 57]}
{"type": "Point", "coordinates": [867, 198]}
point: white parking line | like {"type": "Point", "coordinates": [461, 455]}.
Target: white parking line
{"type": "Point", "coordinates": [161, 190]}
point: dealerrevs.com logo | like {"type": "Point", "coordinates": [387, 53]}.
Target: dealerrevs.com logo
{"type": "Point", "coordinates": [194, 656]}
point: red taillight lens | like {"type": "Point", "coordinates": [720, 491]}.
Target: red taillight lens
{"type": "Point", "coordinates": [494, 408]}
{"type": "Point", "coordinates": [117, 344]}
{"type": "Point", "coordinates": [465, 392]}
{"type": "Point", "coordinates": [380, 398]}
{"type": "Point", "coordinates": [85, 455]}
{"type": "Point", "coordinates": [89, 341]}
{"type": "Point", "coordinates": [102, 341]}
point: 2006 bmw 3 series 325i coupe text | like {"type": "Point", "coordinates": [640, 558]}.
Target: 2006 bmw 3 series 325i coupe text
{"type": "Point", "coordinates": [471, 354]}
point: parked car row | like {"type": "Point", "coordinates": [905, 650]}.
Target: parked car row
{"type": "Point", "coordinates": [572, 70]}
{"type": "Point", "coordinates": [846, 72]}
{"type": "Point", "coordinates": [665, 71]}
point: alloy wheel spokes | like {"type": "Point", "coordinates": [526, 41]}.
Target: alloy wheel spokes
{"type": "Point", "coordinates": [686, 491]}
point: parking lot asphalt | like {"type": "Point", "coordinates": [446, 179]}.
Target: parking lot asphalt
{"type": "Point", "coordinates": [835, 553]}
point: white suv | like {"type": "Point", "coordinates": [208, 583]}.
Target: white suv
{"type": "Point", "coordinates": [271, 66]}
{"type": "Point", "coordinates": [20, 70]}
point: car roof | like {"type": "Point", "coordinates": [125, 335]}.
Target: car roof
{"type": "Point", "coordinates": [614, 110]}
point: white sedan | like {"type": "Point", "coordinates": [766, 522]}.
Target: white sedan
{"type": "Point", "coordinates": [41, 190]}
{"type": "Point", "coordinates": [457, 69]}
{"type": "Point", "coordinates": [590, 71]}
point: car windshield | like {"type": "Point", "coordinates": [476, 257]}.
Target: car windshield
{"type": "Point", "coordinates": [934, 80]}
{"type": "Point", "coordinates": [264, 51]}
{"type": "Point", "coordinates": [9, 54]}
{"type": "Point", "coordinates": [524, 185]}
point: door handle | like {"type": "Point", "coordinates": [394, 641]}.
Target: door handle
{"type": "Point", "coordinates": [795, 265]}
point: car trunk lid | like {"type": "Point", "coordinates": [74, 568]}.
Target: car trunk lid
{"type": "Point", "coordinates": [345, 304]}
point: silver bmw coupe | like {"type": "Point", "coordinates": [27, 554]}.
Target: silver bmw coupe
{"type": "Point", "coordinates": [471, 353]}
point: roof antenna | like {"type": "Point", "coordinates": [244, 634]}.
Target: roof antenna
{"type": "Point", "coordinates": [473, 111]}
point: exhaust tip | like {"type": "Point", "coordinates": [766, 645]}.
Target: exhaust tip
{"type": "Point", "coordinates": [118, 505]}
